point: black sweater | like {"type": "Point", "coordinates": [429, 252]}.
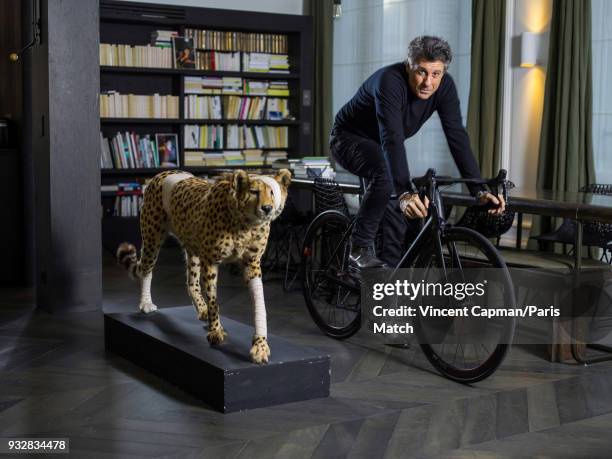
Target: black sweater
{"type": "Point", "coordinates": [386, 110]}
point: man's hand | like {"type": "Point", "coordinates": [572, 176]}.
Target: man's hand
{"type": "Point", "coordinates": [412, 206]}
{"type": "Point", "coordinates": [498, 201]}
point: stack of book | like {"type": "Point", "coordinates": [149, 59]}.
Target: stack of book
{"type": "Point", "coordinates": [240, 137]}
{"type": "Point", "coordinates": [206, 107]}
{"type": "Point", "coordinates": [204, 136]}
{"type": "Point", "coordinates": [218, 60]}
{"type": "Point", "coordinates": [163, 38]}
{"type": "Point", "coordinates": [256, 62]}
{"type": "Point", "coordinates": [277, 159]}
{"type": "Point", "coordinates": [128, 199]}
{"type": "Point", "coordinates": [255, 87]}
{"type": "Point", "coordinates": [232, 85]}
{"type": "Point", "coordinates": [279, 63]}
{"type": "Point", "coordinates": [264, 62]}
{"type": "Point", "coordinates": [313, 166]}
{"type": "Point", "coordinates": [115, 105]}
{"type": "Point", "coordinates": [264, 43]}
{"type": "Point", "coordinates": [128, 151]}
{"type": "Point", "coordinates": [278, 88]}
{"type": "Point", "coordinates": [204, 159]}
{"type": "Point", "coordinates": [214, 39]}
{"type": "Point", "coordinates": [233, 158]}
{"type": "Point", "coordinates": [203, 85]}
{"type": "Point", "coordinates": [253, 157]}
{"type": "Point", "coordinates": [277, 109]}
{"type": "Point", "coordinates": [136, 56]}
{"type": "Point", "coordinates": [244, 108]}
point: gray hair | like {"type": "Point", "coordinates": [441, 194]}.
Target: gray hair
{"type": "Point", "coordinates": [430, 49]}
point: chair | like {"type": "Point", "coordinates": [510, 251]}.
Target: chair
{"type": "Point", "coordinates": [284, 244]}
{"type": "Point", "coordinates": [328, 196]}
{"type": "Point", "coordinates": [287, 232]}
{"type": "Point", "coordinates": [595, 234]}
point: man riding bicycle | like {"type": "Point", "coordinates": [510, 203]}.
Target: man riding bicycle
{"type": "Point", "coordinates": [367, 139]}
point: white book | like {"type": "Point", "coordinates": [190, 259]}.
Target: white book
{"type": "Point", "coordinates": [192, 136]}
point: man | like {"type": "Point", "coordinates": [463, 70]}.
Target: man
{"type": "Point", "coordinates": [367, 139]}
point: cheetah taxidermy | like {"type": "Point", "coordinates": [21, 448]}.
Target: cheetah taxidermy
{"type": "Point", "coordinates": [216, 222]}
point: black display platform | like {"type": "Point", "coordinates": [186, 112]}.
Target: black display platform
{"type": "Point", "coordinates": [172, 344]}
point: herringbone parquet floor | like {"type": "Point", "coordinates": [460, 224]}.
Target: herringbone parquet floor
{"type": "Point", "coordinates": [56, 380]}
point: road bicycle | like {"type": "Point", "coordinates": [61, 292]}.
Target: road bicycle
{"type": "Point", "coordinates": [333, 293]}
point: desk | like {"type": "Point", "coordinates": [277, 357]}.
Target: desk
{"type": "Point", "coordinates": [581, 207]}
{"type": "Point", "coordinates": [574, 205]}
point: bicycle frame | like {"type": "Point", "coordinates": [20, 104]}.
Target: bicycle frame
{"type": "Point", "coordinates": [433, 224]}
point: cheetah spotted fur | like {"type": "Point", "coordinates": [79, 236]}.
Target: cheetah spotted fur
{"type": "Point", "coordinates": [215, 222]}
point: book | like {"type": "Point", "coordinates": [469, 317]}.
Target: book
{"type": "Point", "coordinates": [183, 51]}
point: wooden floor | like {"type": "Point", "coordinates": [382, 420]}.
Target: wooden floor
{"type": "Point", "coordinates": [57, 381]}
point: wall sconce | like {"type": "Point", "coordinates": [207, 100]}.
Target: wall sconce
{"type": "Point", "coordinates": [337, 9]}
{"type": "Point", "coordinates": [530, 48]}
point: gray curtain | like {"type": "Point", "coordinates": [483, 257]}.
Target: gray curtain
{"type": "Point", "coordinates": [566, 148]}
{"type": "Point", "coordinates": [565, 161]}
{"type": "Point", "coordinates": [484, 123]}
{"type": "Point", "coordinates": [323, 33]}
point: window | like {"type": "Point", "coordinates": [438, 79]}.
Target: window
{"type": "Point", "coordinates": [373, 33]}
{"type": "Point", "coordinates": [602, 92]}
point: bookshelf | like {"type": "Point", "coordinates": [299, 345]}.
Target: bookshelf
{"type": "Point", "coordinates": [130, 23]}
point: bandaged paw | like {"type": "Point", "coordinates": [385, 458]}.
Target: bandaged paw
{"type": "Point", "coordinates": [260, 351]}
{"type": "Point", "coordinates": [147, 307]}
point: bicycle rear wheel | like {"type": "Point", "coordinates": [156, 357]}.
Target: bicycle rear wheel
{"type": "Point", "coordinates": [469, 349]}
{"type": "Point", "coordinates": [332, 296]}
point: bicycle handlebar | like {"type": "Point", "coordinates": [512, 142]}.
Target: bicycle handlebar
{"type": "Point", "coordinates": [430, 178]}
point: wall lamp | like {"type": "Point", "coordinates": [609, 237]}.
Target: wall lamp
{"type": "Point", "coordinates": [530, 49]}
{"type": "Point", "coordinates": [337, 9]}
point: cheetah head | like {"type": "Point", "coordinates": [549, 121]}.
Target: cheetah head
{"type": "Point", "coordinates": [260, 198]}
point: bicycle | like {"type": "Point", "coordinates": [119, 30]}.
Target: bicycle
{"type": "Point", "coordinates": [333, 294]}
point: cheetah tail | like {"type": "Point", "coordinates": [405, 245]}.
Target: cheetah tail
{"type": "Point", "coordinates": [127, 256]}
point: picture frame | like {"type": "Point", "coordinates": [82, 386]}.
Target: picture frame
{"type": "Point", "coordinates": [167, 149]}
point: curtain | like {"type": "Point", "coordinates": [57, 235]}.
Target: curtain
{"type": "Point", "coordinates": [323, 31]}
{"type": "Point", "coordinates": [565, 161]}
{"type": "Point", "coordinates": [484, 122]}
{"type": "Point", "coordinates": [566, 151]}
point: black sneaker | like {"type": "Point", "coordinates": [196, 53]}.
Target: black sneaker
{"type": "Point", "coordinates": [364, 258]}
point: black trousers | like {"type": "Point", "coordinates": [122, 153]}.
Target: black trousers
{"type": "Point", "coordinates": [379, 218]}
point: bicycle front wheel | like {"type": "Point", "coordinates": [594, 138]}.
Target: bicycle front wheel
{"type": "Point", "coordinates": [469, 349]}
{"type": "Point", "coordinates": [332, 296]}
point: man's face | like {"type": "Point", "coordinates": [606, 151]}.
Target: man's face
{"type": "Point", "coordinates": [425, 78]}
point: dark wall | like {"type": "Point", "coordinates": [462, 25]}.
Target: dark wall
{"type": "Point", "coordinates": [65, 146]}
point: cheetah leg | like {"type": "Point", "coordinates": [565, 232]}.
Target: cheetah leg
{"type": "Point", "coordinates": [193, 285]}
{"type": "Point", "coordinates": [216, 334]}
{"type": "Point", "coordinates": [260, 351]}
{"type": "Point", "coordinates": [153, 227]}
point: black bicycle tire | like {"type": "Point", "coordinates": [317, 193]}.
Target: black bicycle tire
{"type": "Point", "coordinates": [334, 332]}
{"type": "Point", "coordinates": [496, 358]}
